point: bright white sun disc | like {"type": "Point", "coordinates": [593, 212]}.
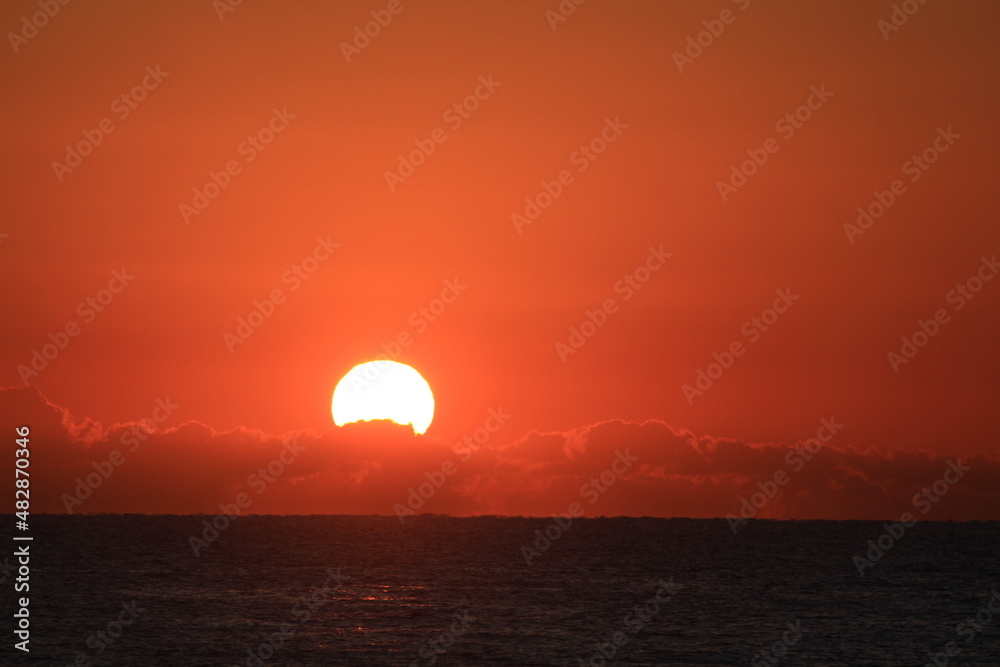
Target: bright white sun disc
{"type": "Point", "coordinates": [383, 390]}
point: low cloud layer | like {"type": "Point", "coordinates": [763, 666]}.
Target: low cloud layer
{"type": "Point", "coordinates": [611, 468]}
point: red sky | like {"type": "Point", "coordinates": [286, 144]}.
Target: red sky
{"type": "Point", "coordinates": [879, 98]}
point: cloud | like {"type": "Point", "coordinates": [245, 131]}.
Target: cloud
{"type": "Point", "coordinates": [611, 468]}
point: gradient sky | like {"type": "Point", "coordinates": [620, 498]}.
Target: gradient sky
{"type": "Point", "coordinates": [343, 125]}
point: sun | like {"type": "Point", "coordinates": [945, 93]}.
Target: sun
{"type": "Point", "coordinates": [383, 390]}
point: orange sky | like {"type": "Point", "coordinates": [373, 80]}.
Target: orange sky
{"type": "Point", "coordinates": [301, 136]}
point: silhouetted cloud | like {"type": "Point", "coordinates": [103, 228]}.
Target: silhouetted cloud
{"type": "Point", "coordinates": [649, 469]}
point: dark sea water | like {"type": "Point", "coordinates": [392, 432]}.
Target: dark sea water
{"type": "Point", "coordinates": [342, 590]}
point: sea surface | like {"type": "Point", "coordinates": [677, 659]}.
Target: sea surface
{"type": "Point", "coordinates": [365, 590]}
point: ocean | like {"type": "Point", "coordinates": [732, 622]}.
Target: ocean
{"type": "Point", "coordinates": [367, 590]}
